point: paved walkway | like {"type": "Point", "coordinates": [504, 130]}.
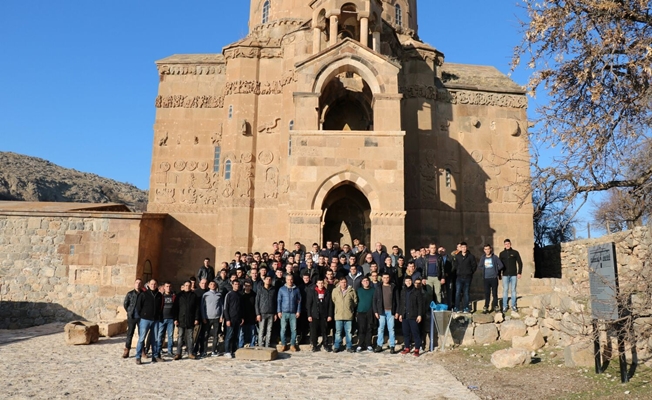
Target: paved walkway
{"type": "Point", "coordinates": [36, 363]}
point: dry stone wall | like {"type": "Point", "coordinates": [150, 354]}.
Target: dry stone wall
{"type": "Point", "coordinates": [66, 266]}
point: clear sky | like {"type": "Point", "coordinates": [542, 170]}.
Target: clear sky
{"type": "Point", "coordinates": [78, 79]}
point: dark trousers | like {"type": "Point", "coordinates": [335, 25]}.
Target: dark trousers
{"type": "Point", "coordinates": [213, 329]}
{"type": "Point", "coordinates": [491, 288]}
{"type": "Point", "coordinates": [365, 328]}
{"type": "Point", "coordinates": [450, 287]}
{"type": "Point", "coordinates": [231, 338]}
{"type": "Point", "coordinates": [132, 323]}
{"type": "Point", "coordinates": [317, 327]}
{"type": "Point", "coordinates": [411, 333]}
{"type": "Point", "coordinates": [200, 340]}
{"type": "Point", "coordinates": [185, 335]}
{"type": "Point", "coordinates": [424, 330]}
{"type": "Point", "coordinates": [303, 327]}
{"type": "Point", "coordinates": [462, 287]}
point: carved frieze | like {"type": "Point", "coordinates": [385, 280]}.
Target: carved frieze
{"type": "Point", "coordinates": [419, 92]}
{"type": "Point", "coordinates": [482, 98]}
{"type": "Point", "coordinates": [182, 101]}
{"type": "Point", "coordinates": [191, 69]}
{"type": "Point", "coordinates": [265, 157]}
{"type": "Point", "coordinates": [269, 127]}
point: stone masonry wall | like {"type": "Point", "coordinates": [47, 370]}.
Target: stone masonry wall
{"type": "Point", "coordinates": [64, 266]}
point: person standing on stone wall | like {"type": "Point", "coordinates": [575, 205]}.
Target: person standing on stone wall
{"type": "Point", "coordinates": [186, 316]}
{"type": "Point", "coordinates": [206, 271]}
{"type": "Point", "coordinates": [410, 311]}
{"type": "Point", "coordinates": [211, 313]}
{"type": "Point", "coordinates": [491, 266]}
{"type": "Point", "coordinates": [464, 268]}
{"type": "Point", "coordinates": [434, 271]}
{"type": "Point", "coordinates": [384, 308]}
{"type": "Point", "coordinates": [511, 259]}
{"type": "Point", "coordinates": [265, 311]}
{"type": "Point", "coordinates": [149, 307]}
{"type": "Point", "coordinates": [133, 318]}
{"type": "Point", "coordinates": [167, 324]}
{"type": "Point", "coordinates": [233, 317]}
{"type": "Point", "coordinates": [288, 306]}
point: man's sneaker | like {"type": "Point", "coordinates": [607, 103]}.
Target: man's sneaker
{"type": "Point", "coordinates": [154, 359]}
{"type": "Point", "coordinates": [203, 355]}
{"type": "Point", "coordinates": [378, 349]}
{"type": "Point", "coordinates": [138, 361]}
{"type": "Point", "coordinates": [328, 348]}
{"type": "Point", "coordinates": [158, 359]}
{"type": "Point", "coordinates": [514, 309]}
{"type": "Point", "coordinates": [215, 353]}
{"type": "Point", "coordinates": [228, 355]}
{"type": "Point", "coordinates": [315, 349]}
{"type": "Point", "coordinates": [392, 350]}
{"type": "Point", "coordinates": [416, 353]}
{"type": "Point", "coordinates": [466, 311]}
{"type": "Point", "coordinates": [496, 309]}
{"type": "Point", "coordinates": [369, 348]}
{"type": "Point", "coordinates": [350, 350]}
{"type": "Point", "coordinates": [505, 310]}
{"type": "Point", "coordinates": [336, 350]}
{"type": "Point", "coordinates": [406, 350]}
{"type": "Point", "coordinates": [485, 310]}
{"type": "Point", "coordinates": [358, 349]}
{"type": "Point", "coordinates": [177, 357]}
{"type": "Point", "coordinates": [455, 309]}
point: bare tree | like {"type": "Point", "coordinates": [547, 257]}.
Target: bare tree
{"type": "Point", "coordinates": [594, 58]}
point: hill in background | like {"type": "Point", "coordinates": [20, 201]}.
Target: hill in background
{"type": "Point", "coordinates": [25, 178]}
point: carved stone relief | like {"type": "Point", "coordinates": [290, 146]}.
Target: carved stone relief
{"type": "Point", "coordinates": [179, 165]}
{"type": "Point", "coordinates": [165, 196]}
{"type": "Point", "coordinates": [265, 157]}
{"type": "Point", "coordinates": [166, 69]}
{"type": "Point", "coordinates": [270, 127]}
{"type": "Point", "coordinates": [164, 140]}
{"type": "Point", "coordinates": [482, 98]}
{"type": "Point", "coordinates": [271, 183]}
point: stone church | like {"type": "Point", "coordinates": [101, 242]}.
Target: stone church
{"type": "Point", "coordinates": [333, 120]}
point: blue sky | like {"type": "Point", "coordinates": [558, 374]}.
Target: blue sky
{"type": "Point", "coordinates": [78, 79]}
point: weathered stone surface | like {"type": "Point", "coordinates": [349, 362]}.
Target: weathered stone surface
{"type": "Point", "coordinates": [256, 354]}
{"type": "Point", "coordinates": [579, 355]}
{"type": "Point", "coordinates": [531, 342]}
{"type": "Point", "coordinates": [112, 328]}
{"type": "Point", "coordinates": [512, 328]}
{"type": "Point", "coordinates": [510, 358]}
{"type": "Point", "coordinates": [498, 318]}
{"type": "Point", "coordinates": [530, 321]}
{"type": "Point", "coordinates": [485, 334]}
{"type": "Point", "coordinates": [462, 333]}
{"type": "Point", "coordinates": [483, 318]}
{"type": "Point", "coordinates": [81, 332]}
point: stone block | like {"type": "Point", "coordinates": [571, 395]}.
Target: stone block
{"type": "Point", "coordinates": [483, 318]}
{"type": "Point", "coordinates": [498, 318]}
{"type": "Point", "coordinates": [462, 333]}
{"type": "Point", "coordinates": [256, 354]}
{"type": "Point", "coordinates": [512, 328]}
{"type": "Point", "coordinates": [579, 355]}
{"type": "Point", "coordinates": [531, 342]}
{"type": "Point", "coordinates": [510, 358]}
{"type": "Point", "coordinates": [81, 332]}
{"type": "Point", "coordinates": [112, 328]}
{"type": "Point", "coordinates": [530, 321]}
{"type": "Point", "coordinates": [485, 334]}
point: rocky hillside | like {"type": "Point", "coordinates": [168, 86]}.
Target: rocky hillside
{"type": "Point", "coordinates": [24, 178]}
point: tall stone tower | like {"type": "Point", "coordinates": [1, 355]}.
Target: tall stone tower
{"type": "Point", "coordinates": [332, 120]}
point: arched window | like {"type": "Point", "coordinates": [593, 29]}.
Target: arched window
{"type": "Point", "coordinates": [227, 170]}
{"type": "Point", "coordinates": [147, 271]}
{"type": "Point", "coordinates": [266, 12]}
{"type": "Point", "coordinates": [449, 182]}
{"type": "Point", "coordinates": [230, 112]}
{"type": "Point", "coordinates": [399, 15]}
{"type": "Point", "coordinates": [216, 160]}
{"type": "Point", "coordinates": [291, 126]}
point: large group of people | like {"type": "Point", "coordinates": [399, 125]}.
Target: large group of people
{"type": "Point", "coordinates": [297, 296]}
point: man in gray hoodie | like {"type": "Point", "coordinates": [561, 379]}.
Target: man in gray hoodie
{"type": "Point", "coordinates": [212, 305]}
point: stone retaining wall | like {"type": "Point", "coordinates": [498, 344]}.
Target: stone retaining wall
{"type": "Point", "coordinates": [57, 266]}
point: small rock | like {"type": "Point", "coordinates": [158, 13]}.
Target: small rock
{"type": "Point", "coordinates": [626, 391]}
{"type": "Point", "coordinates": [509, 358]}
{"type": "Point", "coordinates": [498, 318]}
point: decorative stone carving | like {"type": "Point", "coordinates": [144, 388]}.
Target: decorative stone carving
{"type": "Point", "coordinates": [205, 181]}
{"type": "Point", "coordinates": [418, 91]}
{"type": "Point", "coordinates": [202, 166]}
{"type": "Point", "coordinates": [179, 165]}
{"type": "Point", "coordinates": [164, 140]}
{"type": "Point", "coordinates": [395, 214]}
{"type": "Point", "coordinates": [216, 139]}
{"type": "Point", "coordinates": [269, 127]}
{"type": "Point", "coordinates": [477, 156]}
{"type": "Point", "coordinates": [165, 196]}
{"type": "Point", "coordinates": [185, 69]}
{"type": "Point", "coordinates": [189, 196]}
{"type": "Point", "coordinates": [164, 166]}
{"type": "Point", "coordinates": [271, 183]}
{"type": "Point", "coordinates": [182, 101]}
{"type": "Point", "coordinates": [228, 190]}
{"type": "Point", "coordinates": [265, 157]}
{"type": "Point", "coordinates": [247, 157]}
{"type": "Point", "coordinates": [192, 165]}
{"type": "Point", "coordinates": [482, 98]}
{"type": "Point", "coordinates": [244, 127]}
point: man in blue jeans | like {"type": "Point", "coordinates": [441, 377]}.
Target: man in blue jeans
{"type": "Point", "coordinates": [511, 259]}
{"type": "Point", "coordinates": [288, 306]}
{"type": "Point", "coordinates": [385, 311]}
{"type": "Point", "coordinates": [149, 306]}
{"type": "Point", "coordinates": [465, 266]}
{"type": "Point", "coordinates": [167, 324]}
{"type": "Point", "coordinates": [345, 301]}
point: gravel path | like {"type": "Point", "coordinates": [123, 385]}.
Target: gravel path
{"type": "Point", "coordinates": [36, 363]}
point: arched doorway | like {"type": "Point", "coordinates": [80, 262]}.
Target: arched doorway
{"type": "Point", "coordinates": [347, 212]}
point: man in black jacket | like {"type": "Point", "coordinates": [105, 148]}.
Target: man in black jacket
{"type": "Point", "coordinates": [513, 268]}
{"type": "Point", "coordinates": [410, 311]}
{"type": "Point", "coordinates": [233, 317]}
{"type": "Point", "coordinates": [201, 330]}
{"type": "Point", "coordinates": [206, 271]}
{"type": "Point", "coordinates": [266, 311]}
{"type": "Point", "coordinates": [464, 268]}
{"type": "Point", "coordinates": [319, 310]}
{"type": "Point", "coordinates": [132, 318]}
{"type": "Point", "coordinates": [186, 317]}
{"type": "Point", "coordinates": [149, 307]}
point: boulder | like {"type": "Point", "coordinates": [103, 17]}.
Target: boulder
{"type": "Point", "coordinates": [498, 318]}
{"type": "Point", "coordinates": [256, 354]}
{"type": "Point", "coordinates": [530, 321]}
{"type": "Point", "coordinates": [485, 334]}
{"type": "Point", "coordinates": [531, 342]}
{"type": "Point", "coordinates": [483, 319]}
{"type": "Point", "coordinates": [510, 358]}
{"type": "Point", "coordinates": [81, 332]}
{"type": "Point", "coordinates": [579, 355]}
{"type": "Point", "coordinates": [112, 328]}
{"type": "Point", "coordinates": [512, 328]}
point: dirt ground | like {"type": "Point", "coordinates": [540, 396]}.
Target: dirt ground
{"type": "Point", "coordinates": [546, 378]}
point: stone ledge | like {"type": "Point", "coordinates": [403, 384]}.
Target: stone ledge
{"type": "Point", "coordinates": [256, 354]}
{"type": "Point", "coordinates": [112, 328]}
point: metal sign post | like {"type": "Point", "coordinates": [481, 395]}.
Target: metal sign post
{"type": "Point", "coordinates": [603, 279]}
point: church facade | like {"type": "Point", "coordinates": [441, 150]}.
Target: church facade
{"type": "Point", "coordinates": [332, 120]}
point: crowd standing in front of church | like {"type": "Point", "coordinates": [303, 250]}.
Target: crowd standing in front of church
{"type": "Point", "coordinates": [296, 296]}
